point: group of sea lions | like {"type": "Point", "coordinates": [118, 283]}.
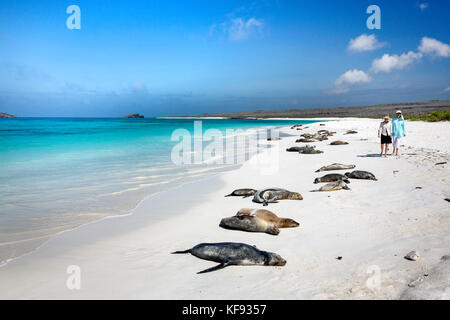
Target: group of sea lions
{"type": "Point", "coordinates": [337, 181]}
{"type": "Point", "coordinates": [320, 135]}
{"type": "Point", "coordinates": [261, 220]}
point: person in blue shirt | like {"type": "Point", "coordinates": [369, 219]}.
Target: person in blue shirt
{"type": "Point", "coordinates": [398, 130]}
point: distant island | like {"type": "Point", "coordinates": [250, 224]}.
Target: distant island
{"type": "Point", "coordinates": [6, 115]}
{"type": "Point", "coordinates": [410, 109]}
{"type": "Point", "coordinates": [133, 116]}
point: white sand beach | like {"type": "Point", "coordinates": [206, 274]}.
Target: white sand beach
{"type": "Point", "coordinates": [372, 227]}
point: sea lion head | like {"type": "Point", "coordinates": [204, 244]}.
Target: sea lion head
{"type": "Point", "coordinates": [288, 223]}
{"type": "Point", "coordinates": [317, 180]}
{"type": "Point", "coordinates": [273, 229]}
{"type": "Point", "coordinates": [295, 196]}
{"type": "Point", "coordinates": [275, 260]}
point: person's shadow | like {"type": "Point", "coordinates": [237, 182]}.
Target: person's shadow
{"type": "Point", "coordinates": [369, 155]}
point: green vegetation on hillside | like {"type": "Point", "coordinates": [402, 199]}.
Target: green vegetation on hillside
{"type": "Point", "coordinates": [432, 117]}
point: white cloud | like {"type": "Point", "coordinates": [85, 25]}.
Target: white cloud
{"type": "Point", "coordinates": [447, 89]}
{"type": "Point", "coordinates": [365, 43]}
{"type": "Point", "coordinates": [239, 29]}
{"type": "Point", "coordinates": [423, 6]}
{"type": "Point", "coordinates": [349, 79]}
{"type": "Point", "coordinates": [433, 46]}
{"type": "Point", "coordinates": [387, 62]}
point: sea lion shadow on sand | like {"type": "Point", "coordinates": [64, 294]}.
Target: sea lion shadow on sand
{"type": "Point", "coordinates": [230, 253]}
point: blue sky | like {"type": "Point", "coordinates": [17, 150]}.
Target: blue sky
{"type": "Point", "coordinates": [188, 57]}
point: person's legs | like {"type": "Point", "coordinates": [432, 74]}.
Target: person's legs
{"type": "Point", "coordinates": [386, 149]}
{"type": "Point", "coordinates": [382, 146]}
{"type": "Point", "coordinates": [396, 145]}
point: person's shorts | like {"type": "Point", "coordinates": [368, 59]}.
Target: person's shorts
{"type": "Point", "coordinates": [386, 139]}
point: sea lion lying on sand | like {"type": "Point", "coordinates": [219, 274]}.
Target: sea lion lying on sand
{"type": "Point", "coordinates": [249, 223]}
{"type": "Point", "coordinates": [230, 253]}
{"type": "Point", "coordinates": [332, 177]}
{"type": "Point", "coordinates": [336, 166]}
{"type": "Point", "coordinates": [338, 143]}
{"type": "Point", "coordinates": [294, 149]}
{"type": "Point", "coordinates": [307, 140]}
{"type": "Point", "coordinates": [333, 186]}
{"type": "Point", "coordinates": [351, 132]}
{"type": "Point", "coordinates": [269, 217]}
{"type": "Point", "coordinates": [273, 139]}
{"type": "Point", "coordinates": [272, 195]}
{"type": "Point", "coordinates": [242, 193]}
{"type": "Point", "coordinates": [310, 150]}
{"type": "Point", "coordinates": [357, 174]}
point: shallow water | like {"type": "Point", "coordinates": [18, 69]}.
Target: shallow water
{"type": "Point", "coordinates": [58, 173]}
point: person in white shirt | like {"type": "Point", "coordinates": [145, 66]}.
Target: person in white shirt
{"type": "Point", "coordinates": [385, 133]}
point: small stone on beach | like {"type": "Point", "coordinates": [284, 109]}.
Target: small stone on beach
{"type": "Point", "coordinates": [412, 256]}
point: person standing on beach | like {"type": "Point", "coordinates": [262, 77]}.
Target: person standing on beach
{"type": "Point", "coordinates": [385, 133]}
{"type": "Point", "coordinates": [398, 130]}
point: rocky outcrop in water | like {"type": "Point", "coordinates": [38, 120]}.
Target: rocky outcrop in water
{"type": "Point", "coordinates": [133, 116]}
{"type": "Point", "coordinates": [6, 115]}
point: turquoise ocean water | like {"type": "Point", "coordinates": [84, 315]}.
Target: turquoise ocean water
{"type": "Point", "coordinates": [58, 173]}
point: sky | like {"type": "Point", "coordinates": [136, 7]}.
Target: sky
{"type": "Point", "coordinates": [189, 57]}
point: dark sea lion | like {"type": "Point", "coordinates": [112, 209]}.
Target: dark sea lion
{"type": "Point", "coordinates": [272, 195]}
{"type": "Point", "coordinates": [269, 217]}
{"type": "Point", "coordinates": [336, 166]}
{"type": "Point", "coordinates": [332, 177]}
{"type": "Point", "coordinates": [295, 149]}
{"type": "Point", "coordinates": [250, 223]}
{"type": "Point", "coordinates": [273, 139]}
{"type": "Point", "coordinates": [242, 193]}
{"type": "Point", "coordinates": [230, 253]}
{"type": "Point", "coordinates": [333, 186]}
{"type": "Point", "coordinates": [338, 143]}
{"type": "Point", "coordinates": [357, 174]}
{"type": "Point", "coordinates": [351, 132]}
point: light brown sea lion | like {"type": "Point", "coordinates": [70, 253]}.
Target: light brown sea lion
{"type": "Point", "coordinates": [270, 217]}
{"type": "Point", "coordinates": [306, 140]}
{"type": "Point", "coordinates": [336, 166]}
{"type": "Point", "coordinates": [249, 223]}
{"type": "Point", "coordinates": [333, 186]}
{"type": "Point", "coordinates": [338, 143]}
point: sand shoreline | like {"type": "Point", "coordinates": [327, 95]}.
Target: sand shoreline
{"type": "Point", "coordinates": [128, 256]}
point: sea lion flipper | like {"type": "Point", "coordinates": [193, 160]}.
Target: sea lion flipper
{"type": "Point", "coordinates": [181, 252]}
{"type": "Point", "coordinates": [218, 267]}
{"type": "Point", "coordinates": [346, 188]}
